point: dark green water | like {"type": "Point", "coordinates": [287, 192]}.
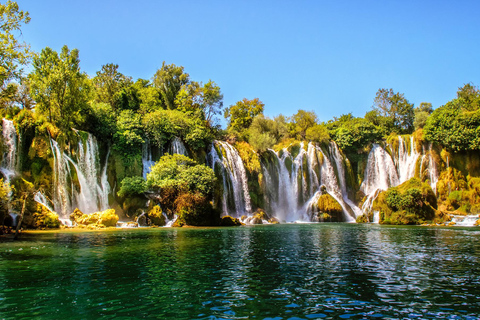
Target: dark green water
{"type": "Point", "coordinates": [277, 271]}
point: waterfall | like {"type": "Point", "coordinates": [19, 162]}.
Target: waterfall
{"type": "Point", "coordinates": [147, 161]}
{"type": "Point", "coordinates": [432, 170]}
{"type": "Point", "coordinates": [177, 146]}
{"type": "Point", "coordinates": [235, 186]}
{"type": "Point", "coordinates": [91, 192]}
{"type": "Point", "coordinates": [405, 161]}
{"type": "Point", "coordinates": [10, 140]}
{"type": "Point", "coordinates": [42, 199]}
{"type": "Point", "coordinates": [286, 208]}
{"type": "Point", "coordinates": [465, 221]}
{"type": "Point", "coordinates": [338, 157]}
{"type": "Point", "coordinates": [380, 174]}
{"type": "Point", "coordinates": [299, 181]}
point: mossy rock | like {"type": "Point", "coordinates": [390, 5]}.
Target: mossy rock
{"type": "Point", "coordinates": [76, 215]}
{"type": "Point", "coordinates": [228, 221]}
{"type": "Point", "coordinates": [273, 220]}
{"type": "Point", "coordinates": [156, 217]}
{"type": "Point", "coordinates": [108, 218]}
{"type": "Point", "coordinates": [44, 218]}
{"type": "Point", "coordinates": [261, 214]}
{"type": "Point", "coordinates": [328, 208]}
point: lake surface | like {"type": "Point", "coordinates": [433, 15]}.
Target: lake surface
{"type": "Point", "coordinates": [303, 271]}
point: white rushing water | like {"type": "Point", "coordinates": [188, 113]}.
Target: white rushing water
{"type": "Point", "coordinates": [10, 140]}
{"type": "Point", "coordinates": [380, 174]}
{"type": "Point", "coordinates": [465, 221]}
{"type": "Point", "coordinates": [234, 179]}
{"type": "Point", "coordinates": [177, 146]}
{"type": "Point", "coordinates": [147, 161]}
{"type": "Point", "coordinates": [89, 192]}
{"type": "Point", "coordinates": [299, 181]}
{"type": "Point", "coordinates": [405, 160]}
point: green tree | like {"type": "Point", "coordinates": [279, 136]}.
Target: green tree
{"type": "Point", "coordinates": [318, 133]}
{"type": "Point", "coordinates": [264, 132]}
{"type": "Point", "coordinates": [169, 79]}
{"type": "Point", "coordinates": [58, 86]}
{"type": "Point", "coordinates": [240, 115]}
{"type": "Point", "coordinates": [454, 126]}
{"type": "Point", "coordinates": [468, 97]}
{"type": "Point", "coordinates": [394, 106]}
{"type": "Point", "coordinates": [205, 99]}
{"type": "Point", "coordinates": [421, 114]}
{"type": "Point", "coordinates": [302, 120]}
{"type": "Point", "coordinates": [128, 138]}
{"type": "Point", "coordinates": [13, 53]}
{"type": "Point", "coordinates": [108, 84]}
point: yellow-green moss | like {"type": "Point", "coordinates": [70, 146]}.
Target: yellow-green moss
{"type": "Point", "coordinates": [329, 208]}
{"type": "Point", "coordinates": [156, 216]}
{"type": "Point", "coordinates": [107, 218]}
{"type": "Point", "coordinates": [249, 157]}
{"type": "Point", "coordinates": [45, 218]}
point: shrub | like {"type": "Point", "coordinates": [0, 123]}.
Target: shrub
{"type": "Point", "coordinates": [132, 186]}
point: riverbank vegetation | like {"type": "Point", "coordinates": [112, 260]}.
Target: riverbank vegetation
{"type": "Point", "coordinates": [57, 101]}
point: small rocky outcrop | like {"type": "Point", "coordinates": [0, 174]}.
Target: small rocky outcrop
{"type": "Point", "coordinates": [107, 218]}
{"type": "Point", "coordinates": [228, 221]}
{"type": "Point", "coordinates": [156, 217]}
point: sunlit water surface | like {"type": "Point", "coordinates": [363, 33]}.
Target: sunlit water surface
{"type": "Point", "coordinates": [305, 271]}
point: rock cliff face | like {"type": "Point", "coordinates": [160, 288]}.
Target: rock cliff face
{"type": "Point", "coordinates": [301, 181]}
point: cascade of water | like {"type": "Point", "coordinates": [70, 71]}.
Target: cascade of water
{"type": "Point", "coordinates": [42, 199]}
{"type": "Point", "coordinates": [406, 161]}
{"type": "Point", "coordinates": [147, 161]}
{"type": "Point", "coordinates": [329, 180]}
{"type": "Point", "coordinates": [93, 188]}
{"type": "Point", "coordinates": [177, 146]}
{"type": "Point", "coordinates": [432, 170]}
{"type": "Point", "coordinates": [465, 221]}
{"type": "Point", "coordinates": [337, 156]}
{"type": "Point", "coordinates": [232, 166]}
{"type": "Point", "coordinates": [10, 139]}
{"type": "Point", "coordinates": [379, 174]}
{"type": "Point", "coordinates": [62, 183]}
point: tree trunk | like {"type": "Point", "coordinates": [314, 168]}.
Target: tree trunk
{"type": "Point", "coordinates": [21, 218]}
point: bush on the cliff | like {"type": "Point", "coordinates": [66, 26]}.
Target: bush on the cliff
{"type": "Point", "coordinates": [185, 188]}
{"type": "Point", "coordinates": [132, 186]}
{"type": "Point", "coordinates": [412, 202]}
{"type": "Point", "coordinates": [195, 210]}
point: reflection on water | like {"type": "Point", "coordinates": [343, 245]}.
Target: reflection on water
{"type": "Point", "coordinates": [262, 272]}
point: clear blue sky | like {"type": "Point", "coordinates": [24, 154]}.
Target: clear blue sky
{"type": "Point", "coordinates": [327, 56]}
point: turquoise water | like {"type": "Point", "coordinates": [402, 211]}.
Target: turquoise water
{"type": "Point", "coordinates": [263, 272]}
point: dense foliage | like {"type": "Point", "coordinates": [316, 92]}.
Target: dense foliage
{"type": "Point", "coordinates": [456, 125]}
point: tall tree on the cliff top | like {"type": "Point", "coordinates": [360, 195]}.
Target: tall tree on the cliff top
{"type": "Point", "coordinates": [206, 99]}
{"type": "Point", "coordinates": [169, 79]}
{"type": "Point", "coordinates": [108, 84]}
{"type": "Point", "coordinates": [57, 85]}
{"type": "Point", "coordinates": [468, 97]}
{"type": "Point", "coordinates": [301, 121]}
{"type": "Point", "coordinates": [240, 115]}
{"type": "Point", "coordinates": [395, 107]}
{"type": "Point", "coordinates": [13, 53]}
